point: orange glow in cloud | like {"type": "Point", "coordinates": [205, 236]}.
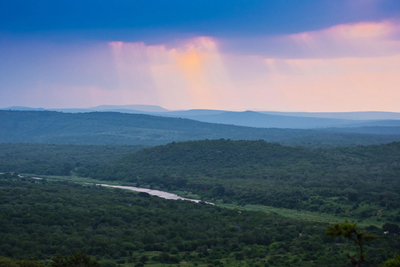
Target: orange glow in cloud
{"type": "Point", "coordinates": [181, 76]}
{"type": "Point", "coordinates": [191, 63]}
{"type": "Point", "coordinates": [364, 74]}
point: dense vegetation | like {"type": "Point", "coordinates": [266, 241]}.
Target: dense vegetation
{"type": "Point", "coordinates": [58, 159]}
{"type": "Point", "coordinates": [111, 128]}
{"type": "Point", "coordinates": [40, 218]}
{"type": "Point", "coordinates": [76, 259]}
{"type": "Point", "coordinates": [356, 181]}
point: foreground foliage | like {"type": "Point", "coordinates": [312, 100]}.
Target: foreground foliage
{"type": "Point", "coordinates": [76, 259]}
{"type": "Point", "coordinates": [7, 262]}
{"type": "Point", "coordinates": [39, 219]}
{"type": "Point", "coordinates": [395, 262]}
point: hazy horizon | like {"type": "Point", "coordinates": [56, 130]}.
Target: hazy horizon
{"type": "Point", "coordinates": [125, 106]}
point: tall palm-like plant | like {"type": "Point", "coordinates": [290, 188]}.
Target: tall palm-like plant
{"type": "Point", "coordinates": [351, 232]}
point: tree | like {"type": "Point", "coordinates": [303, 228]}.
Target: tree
{"type": "Point", "coordinates": [163, 258]}
{"type": "Point", "coordinates": [350, 232]}
{"type": "Point", "coordinates": [26, 263]}
{"type": "Point", "coordinates": [391, 228]}
{"type": "Point", "coordinates": [352, 196]}
{"type": "Point", "coordinates": [239, 256]}
{"type": "Point", "coordinates": [74, 260]}
{"type": "Point", "coordinates": [143, 259]}
{"type": "Point", "coordinates": [395, 262]}
{"type": "Point", "coordinates": [6, 262]}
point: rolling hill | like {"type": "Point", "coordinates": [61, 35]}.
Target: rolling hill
{"type": "Point", "coordinates": [361, 179]}
{"type": "Point", "coordinates": [111, 128]}
{"type": "Point", "coordinates": [261, 119]}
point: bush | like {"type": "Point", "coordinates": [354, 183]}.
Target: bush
{"type": "Point", "coordinates": [274, 246]}
{"type": "Point", "coordinates": [108, 264]}
{"type": "Point", "coordinates": [395, 262]}
{"type": "Point", "coordinates": [352, 196]}
{"type": "Point", "coordinates": [76, 259]}
{"type": "Point", "coordinates": [143, 259]}
{"type": "Point", "coordinates": [173, 259]}
{"type": "Point", "coordinates": [239, 256]}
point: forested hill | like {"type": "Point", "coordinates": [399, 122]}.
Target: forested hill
{"type": "Point", "coordinates": [213, 158]}
{"type": "Point", "coordinates": [256, 172]}
{"type": "Point", "coordinates": [248, 159]}
{"type": "Point", "coordinates": [111, 128]}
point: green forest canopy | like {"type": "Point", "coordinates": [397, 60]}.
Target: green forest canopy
{"type": "Point", "coordinates": [356, 182]}
{"type": "Point", "coordinates": [39, 219]}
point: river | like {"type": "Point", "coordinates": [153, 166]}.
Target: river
{"type": "Point", "coordinates": [152, 192]}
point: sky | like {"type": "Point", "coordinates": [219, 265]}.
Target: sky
{"type": "Point", "coordinates": [287, 55]}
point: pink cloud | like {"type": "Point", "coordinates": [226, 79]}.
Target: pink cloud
{"type": "Point", "coordinates": [195, 73]}
{"type": "Point", "coordinates": [366, 39]}
{"type": "Point", "coordinates": [348, 84]}
{"type": "Point", "coordinates": [342, 68]}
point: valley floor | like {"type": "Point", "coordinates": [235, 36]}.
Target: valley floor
{"type": "Point", "coordinates": [289, 213]}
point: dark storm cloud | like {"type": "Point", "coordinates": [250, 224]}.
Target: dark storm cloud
{"type": "Point", "coordinates": [144, 19]}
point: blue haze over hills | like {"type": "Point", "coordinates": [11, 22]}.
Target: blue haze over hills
{"type": "Point", "coordinates": [372, 122]}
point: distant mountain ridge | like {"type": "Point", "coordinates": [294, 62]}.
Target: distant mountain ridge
{"type": "Point", "coordinates": [126, 108]}
{"type": "Point", "coordinates": [112, 128]}
{"type": "Point", "coordinates": [262, 119]}
{"type": "Point", "coordinates": [19, 108]}
{"type": "Point", "coordinates": [145, 108]}
{"type": "Point", "coordinates": [353, 115]}
{"type": "Point", "coordinates": [256, 119]}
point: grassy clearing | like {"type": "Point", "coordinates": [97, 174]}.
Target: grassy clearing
{"type": "Point", "coordinates": [305, 215]}
{"type": "Point", "coordinates": [154, 263]}
{"type": "Point", "coordinates": [75, 179]}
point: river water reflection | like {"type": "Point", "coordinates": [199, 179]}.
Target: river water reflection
{"type": "Point", "coordinates": [152, 192]}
